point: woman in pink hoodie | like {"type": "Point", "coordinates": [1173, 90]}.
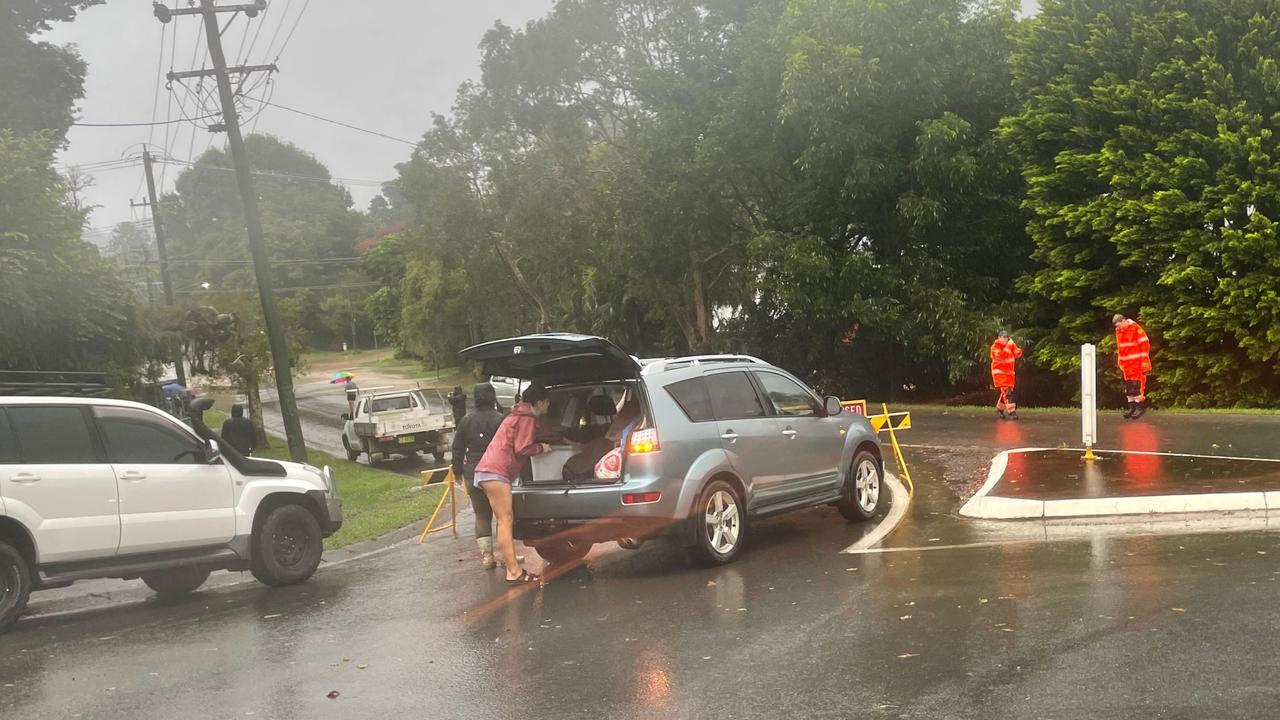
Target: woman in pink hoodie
{"type": "Point", "coordinates": [513, 442]}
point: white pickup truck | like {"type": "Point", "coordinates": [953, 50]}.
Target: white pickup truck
{"type": "Point", "coordinates": [397, 422]}
{"type": "Point", "coordinates": [94, 488]}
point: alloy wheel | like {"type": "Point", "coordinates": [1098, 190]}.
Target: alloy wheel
{"type": "Point", "coordinates": [723, 522]}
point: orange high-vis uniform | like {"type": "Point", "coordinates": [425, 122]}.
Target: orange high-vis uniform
{"type": "Point", "coordinates": [1133, 350]}
{"type": "Point", "coordinates": [1004, 352]}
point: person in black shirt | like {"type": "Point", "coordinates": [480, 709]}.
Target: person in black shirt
{"type": "Point", "coordinates": [238, 431]}
{"type": "Point", "coordinates": [470, 441]}
{"type": "Point", "coordinates": [458, 403]}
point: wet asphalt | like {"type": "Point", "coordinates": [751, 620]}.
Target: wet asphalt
{"type": "Point", "coordinates": [949, 618]}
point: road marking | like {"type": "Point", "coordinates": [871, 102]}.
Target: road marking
{"type": "Point", "coordinates": [962, 546]}
{"type": "Point", "coordinates": [899, 501]}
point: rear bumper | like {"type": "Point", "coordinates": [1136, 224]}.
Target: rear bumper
{"type": "Point", "coordinates": [595, 512]}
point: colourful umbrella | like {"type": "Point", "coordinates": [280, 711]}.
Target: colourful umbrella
{"type": "Point", "coordinates": [342, 377]}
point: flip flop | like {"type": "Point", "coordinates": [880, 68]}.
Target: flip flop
{"type": "Point", "coordinates": [525, 577]}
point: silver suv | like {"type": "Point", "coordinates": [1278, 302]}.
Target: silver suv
{"type": "Point", "coordinates": [707, 444]}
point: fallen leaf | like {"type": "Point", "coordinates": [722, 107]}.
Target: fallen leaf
{"type": "Point", "coordinates": [905, 617]}
{"type": "Point", "coordinates": [983, 601]}
{"type": "Point", "coordinates": [1262, 552]}
{"type": "Point", "coordinates": [333, 695]}
{"type": "Point", "coordinates": [362, 666]}
{"type": "Point", "coordinates": [711, 583]}
{"type": "Point", "coordinates": [268, 617]}
{"type": "Point", "coordinates": [933, 539]}
{"type": "Point", "coordinates": [1178, 609]}
{"type": "Point", "coordinates": [904, 656]}
{"type": "Point", "coordinates": [850, 569]}
{"type": "Point", "coordinates": [706, 657]}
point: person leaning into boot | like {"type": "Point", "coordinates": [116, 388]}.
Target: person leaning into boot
{"type": "Point", "coordinates": [470, 440]}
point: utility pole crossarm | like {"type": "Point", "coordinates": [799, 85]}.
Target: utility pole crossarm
{"type": "Point", "coordinates": [239, 69]}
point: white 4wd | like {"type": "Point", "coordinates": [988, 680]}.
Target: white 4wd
{"type": "Point", "coordinates": [93, 488]}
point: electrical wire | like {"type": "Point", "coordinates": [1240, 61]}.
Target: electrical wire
{"type": "Point", "coordinates": [284, 18]}
{"type": "Point", "coordinates": [342, 124]}
{"type": "Point", "coordinates": [289, 37]}
{"type": "Point", "coordinates": [155, 97]}
{"type": "Point", "coordinates": [153, 123]}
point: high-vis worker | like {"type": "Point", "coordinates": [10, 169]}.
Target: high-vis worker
{"type": "Point", "coordinates": [1004, 355]}
{"type": "Point", "coordinates": [1133, 355]}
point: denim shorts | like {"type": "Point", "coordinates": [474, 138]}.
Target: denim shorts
{"type": "Point", "coordinates": [483, 477]}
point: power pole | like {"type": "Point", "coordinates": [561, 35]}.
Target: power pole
{"type": "Point", "coordinates": [158, 227]}
{"type": "Point", "coordinates": [252, 220]}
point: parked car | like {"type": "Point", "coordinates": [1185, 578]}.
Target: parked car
{"type": "Point", "coordinates": [397, 422]}
{"type": "Point", "coordinates": [93, 488]}
{"type": "Point", "coordinates": [506, 389]}
{"type": "Point", "coordinates": [718, 441]}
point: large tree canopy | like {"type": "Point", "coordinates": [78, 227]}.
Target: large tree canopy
{"type": "Point", "coordinates": [39, 82]}
{"type": "Point", "coordinates": [1148, 141]}
{"type": "Point", "coordinates": [310, 228]}
{"type": "Point", "coordinates": [65, 308]}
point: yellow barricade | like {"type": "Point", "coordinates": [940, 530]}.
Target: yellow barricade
{"type": "Point", "coordinates": [450, 485]}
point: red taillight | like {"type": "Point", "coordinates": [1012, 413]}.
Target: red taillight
{"type": "Point", "coordinates": [644, 441]}
{"type": "Point", "coordinates": [641, 498]}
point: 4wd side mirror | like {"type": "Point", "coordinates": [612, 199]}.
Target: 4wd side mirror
{"type": "Point", "coordinates": [832, 405]}
{"type": "Point", "coordinates": [346, 416]}
{"type": "Point", "coordinates": [212, 452]}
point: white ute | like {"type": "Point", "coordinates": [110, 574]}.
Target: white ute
{"type": "Point", "coordinates": [396, 422]}
{"type": "Point", "coordinates": [94, 488]}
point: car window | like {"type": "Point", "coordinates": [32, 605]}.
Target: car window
{"type": "Point", "coordinates": [137, 436]}
{"type": "Point", "coordinates": [52, 435]}
{"type": "Point", "coordinates": [786, 396]}
{"type": "Point", "coordinates": [8, 448]}
{"type": "Point", "coordinates": [691, 395]}
{"type": "Point", "coordinates": [733, 396]}
{"type": "Point", "coordinates": [390, 403]}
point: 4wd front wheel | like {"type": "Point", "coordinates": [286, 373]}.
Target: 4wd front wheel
{"type": "Point", "coordinates": [175, 582]}
{"type": "Point", "coordinates": [287, 546]}
{"type": "Point", "coordinates": [15, 585]}
{"type": "Point", "coordinates": [863, 490]}
{"type": "Point", "coordinates": [719, 524]}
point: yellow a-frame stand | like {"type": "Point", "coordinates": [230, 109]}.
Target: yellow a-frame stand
{"type": "Point", "coordinates": [447, 497]}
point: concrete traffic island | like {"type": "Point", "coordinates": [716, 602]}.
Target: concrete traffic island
{"type": "Point", "coordinates": [1058, 483]}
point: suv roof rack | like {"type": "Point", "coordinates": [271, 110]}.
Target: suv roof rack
{"type": "Point", "coordinates": [666, 364]}
{"type": "Point", "coordinates": [28, 383]}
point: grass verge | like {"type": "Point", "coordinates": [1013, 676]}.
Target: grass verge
{"type": "Point", "coordinates": [374, 501]}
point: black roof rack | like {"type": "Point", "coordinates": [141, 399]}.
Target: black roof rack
{"type": "Point", "coordinates": [29, 383]}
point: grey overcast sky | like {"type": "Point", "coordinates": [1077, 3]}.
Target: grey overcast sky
{"type": "Point", "coordinates": [384, 65]}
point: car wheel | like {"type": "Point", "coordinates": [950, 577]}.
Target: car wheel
{"type": "Point", "coordinates": [719, 524]}
{"type": "Point", "coordinates": [287, 546]}
{"type": "Point", "coordinates": [864, 489]}
{"type": "Point", "coordinates": [15, 585]}
{"type": "Point", "coordinates": [352, 455]}
{"type": "Point", "coordinates": [175, 582]}
{"type": "Point", "coordinates": [562, 551]}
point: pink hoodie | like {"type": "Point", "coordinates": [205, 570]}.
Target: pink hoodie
{"type": "Point", "coordinates": [512, 442]}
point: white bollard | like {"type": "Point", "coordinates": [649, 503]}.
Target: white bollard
{"type": "Point", "coordinates": [1088, 398]}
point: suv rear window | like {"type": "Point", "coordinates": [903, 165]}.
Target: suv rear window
{"type": "Point", "coordinates": [52, 435]}
{"type": "Point", "coordinates": [733, 396]}
{"type": "Point", "coordinates": [390, 403]}
{"type": "Point", "coordinates": [691, 395]}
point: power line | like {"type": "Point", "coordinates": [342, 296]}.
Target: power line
{"type": "Point", "coordinates": [289, 37]}
{"type": "Point", "coordinates": [282, 176]}
{"type": "Point", "coordinates": [155, 96]}
{"type": "Point", "coordinates": [341, 124]}
{"type": "Point", "coordinates": [153, 123]}
{"type": "Point", "coordinates": [284, 17]}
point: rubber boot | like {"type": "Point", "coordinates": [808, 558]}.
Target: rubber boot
{"type": "Point", "coordinates": [1129, 409]}
{"type": "Point", "coordinates": [1139, 409]}
{"type": "Point", "coordinates": [1013, 414]}
{"type": "Point", "coordinates": [486, 552]}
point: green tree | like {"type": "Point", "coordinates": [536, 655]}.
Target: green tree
{"type": "Point", "coordinates": [310, 228]}
{"type": "Point", "coordinates": [1148, 141]}
{"type": "Point", "coordinates": [65, 307]}
{"type": "Point", "coordinates": [894, 253]}
{"type": "Point", "coordinates": [40, 82]}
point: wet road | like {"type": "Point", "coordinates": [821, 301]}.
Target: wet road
{"type": "Point", "coordinates": [950, 619]}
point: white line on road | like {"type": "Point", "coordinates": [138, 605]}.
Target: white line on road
{"type": "Point", "coordinates": [899, 501]}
